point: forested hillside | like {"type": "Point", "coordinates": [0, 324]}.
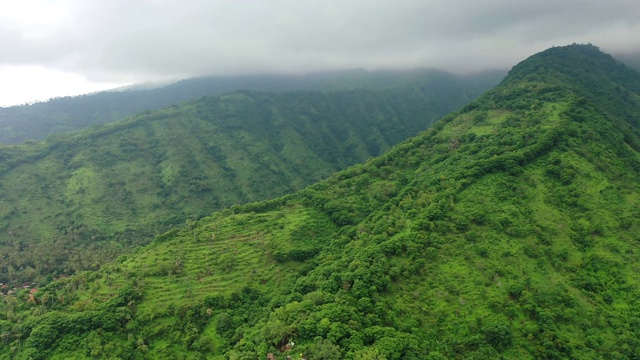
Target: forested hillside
{"type": "Point", "coordinates": [68, 114]}
{"type": "Point", "coordinates": [78, 200]}
{"type": "Point", "coordinates": [507, 230]}
{"type": "Point", "coordinates": [630, 59]}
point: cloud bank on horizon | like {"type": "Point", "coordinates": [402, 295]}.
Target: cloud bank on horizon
{"type": "Point", "coordinates": [110, 42]}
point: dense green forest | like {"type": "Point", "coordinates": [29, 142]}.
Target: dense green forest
{"type": "Point", "coordinates": [77, 200]}
{"type": "Point", "coordinates": [68, 114]}
{"type": "Point", "coordinates": [507, 230]}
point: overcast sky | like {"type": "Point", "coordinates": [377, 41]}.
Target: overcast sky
{"type": "Point", "coordinates": [62, 47]}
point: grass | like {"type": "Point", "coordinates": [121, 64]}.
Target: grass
{"type": "Point", "coordinates": [213, 257]}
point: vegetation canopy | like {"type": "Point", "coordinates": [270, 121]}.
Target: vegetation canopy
{"type": "Point", "coordinates": [507, 230]}
{"type": "Point", "coordinates": [75, 201]}
{"type": "Point", "coordinates": [39, 120]}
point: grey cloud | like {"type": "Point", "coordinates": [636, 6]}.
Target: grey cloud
{"type": "Point", "coordinates": [140, 40]}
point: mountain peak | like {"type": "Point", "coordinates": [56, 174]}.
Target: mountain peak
{"type": "Point", "coordinates": [574, 63]}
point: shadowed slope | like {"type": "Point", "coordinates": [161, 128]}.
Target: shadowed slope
{"type": "Point", "coordinates": [68, 114]}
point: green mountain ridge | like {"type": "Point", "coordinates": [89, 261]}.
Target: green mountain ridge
{"type": "Point", "coordinates": [76, 201]}
{"type": "Point", "coordinates": [507, 230]}
{"type": "Point", "coordinates": [68, 114]}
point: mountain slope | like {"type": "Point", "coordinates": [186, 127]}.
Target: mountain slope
{"type": "Point", "coordinates": [76, 201]}
{"type": "Point", "coordinates": [632, 60]}
{"type": "Point", "coordinates": [68, 114]}
{"type": "Point", "coordinates": [507, 230]}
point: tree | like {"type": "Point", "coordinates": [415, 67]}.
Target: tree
{"type": "Point", "coordinates": [369, 354]}
{"type": "Point", "coordinates": [325, 350]}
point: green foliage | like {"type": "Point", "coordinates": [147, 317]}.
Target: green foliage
{"type": "Point", "coordinates": [324, 349]}
{"type": "Point", "coordinates": [49, 119]}
{"type": "Point", "coordinates": [515, 243]}
{"type": "Point", "coordinates": [497, 332]}
{"type": "Point", "coordinates": [75, 201]}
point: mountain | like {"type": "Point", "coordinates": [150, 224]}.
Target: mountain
{"type": "Point", "coordinates": [76, 201]}
{"type": "Point", "coordinates": [632, 60]}
{"type": "Point", "coordinates": [507, 230]}
{"type": "Point", "coordinates": [68, 114]}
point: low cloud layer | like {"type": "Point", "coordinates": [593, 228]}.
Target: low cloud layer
{"type": "Point", "coordinates": [126, 40]}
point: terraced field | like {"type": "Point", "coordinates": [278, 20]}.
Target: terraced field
{"type": "Point", "coordinates": [211, 257]}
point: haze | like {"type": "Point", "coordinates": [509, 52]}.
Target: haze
{"type": "Point", "coordinates": [55, 48]}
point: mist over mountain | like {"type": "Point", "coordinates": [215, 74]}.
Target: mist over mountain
{"type": "Point", "coordinates": [506, 230]}
{"type": "Point", "coordinates": [630, 59]}
{"type": "Point", "coordinates": [67, 114]}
